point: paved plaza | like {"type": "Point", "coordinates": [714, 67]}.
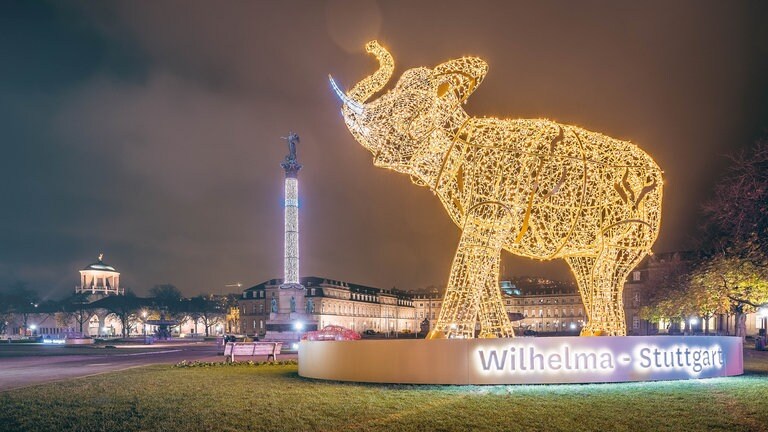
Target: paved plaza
{"type": "Point", "coordinates": [23, 365]}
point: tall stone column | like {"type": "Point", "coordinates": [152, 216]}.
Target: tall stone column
{"type": "Point", "coordinates": [290, 299]}
{"type": "Point", "coordinates": [291, 245]}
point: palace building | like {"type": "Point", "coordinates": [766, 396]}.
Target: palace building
{"type": "Point", "coordinates": [545, 306]}
{"type": "Point", "coordinates": [325, 302]}
{"type": "Point", "coordinates": [536, 304]}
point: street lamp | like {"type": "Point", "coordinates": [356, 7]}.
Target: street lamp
{"type": "Point", "coordinates": [233, 285]}
{"type": "Point", "coordinates": [693, 321]}
{"type": "Point", "coordinates": [762, 312]}
{"type": "Point", "coordinates": [298, 326]}
{"type": "Point", "coordinates": [144, 316]}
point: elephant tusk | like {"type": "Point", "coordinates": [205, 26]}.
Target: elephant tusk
{"type": "Point", "coordinates": [355, 106]}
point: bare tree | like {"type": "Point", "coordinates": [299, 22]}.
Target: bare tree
{"type": "Point", "coordinates": [737, 214]}
{"type": "Point", "coordinates": [731, 276]}
{"type": "Point", "coordinates": [75, 307]}
{"type": "Point", "coordinates": [207, 310]}
{"type": "Point", "coordinates": [22, 302]}
{"type": "Point", "coordinates": [731, 284]}
{"type": "Point", "coordinates": [125, 307]}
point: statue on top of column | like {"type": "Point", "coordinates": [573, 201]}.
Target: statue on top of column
{"type": "Point", "coordinates": [290, 164]}
{"type": "Point", "coordinates": [293, 139]}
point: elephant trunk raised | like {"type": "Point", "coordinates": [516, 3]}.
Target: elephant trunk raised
{"type": "Point", "coordinates": [371, 84]}
{"type": "Point", "coordinates": [363, 90]}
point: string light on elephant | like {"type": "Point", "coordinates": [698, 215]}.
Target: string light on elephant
{"type": "Point", "coordinates": [533, 187]}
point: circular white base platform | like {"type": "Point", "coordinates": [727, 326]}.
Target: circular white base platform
{"type": "Point", "coordinates": [523, 360]}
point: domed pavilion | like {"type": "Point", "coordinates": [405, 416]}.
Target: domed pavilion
{"type": "Point", "coordinates": [99, 279]}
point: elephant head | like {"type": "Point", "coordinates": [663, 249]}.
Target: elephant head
{"type": "Point", "coordinates": [400, 123]}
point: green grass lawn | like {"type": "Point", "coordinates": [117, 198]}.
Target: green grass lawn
{"type": "Point", "coordinates": [274, 397]}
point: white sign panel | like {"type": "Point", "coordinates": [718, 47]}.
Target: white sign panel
{"type": "Point", "coordinates": [523, 360]}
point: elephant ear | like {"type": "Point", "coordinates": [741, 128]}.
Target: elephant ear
{"type": "Point", "coordinates": [460, 77]}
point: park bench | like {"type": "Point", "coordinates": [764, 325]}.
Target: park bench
{"type": "Point", "coordinates": [269, 349]}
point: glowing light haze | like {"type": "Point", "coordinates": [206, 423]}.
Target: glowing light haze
{"type": "Point", "coordinates": [150, 131]}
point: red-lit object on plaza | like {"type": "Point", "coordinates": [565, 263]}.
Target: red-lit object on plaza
{"type": "Point", "coordinates": [331, 333]}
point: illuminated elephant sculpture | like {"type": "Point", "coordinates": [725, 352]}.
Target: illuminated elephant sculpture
{"type": "Point", "coordinates": [536, 188]}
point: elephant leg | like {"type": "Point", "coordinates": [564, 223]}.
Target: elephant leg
{"type": "Point", "coordinates": [494, 321]}
{"type": "Point", "coordinates": [623, 248]}
{"type": "Point", "coordinates": [582, 267]}
{"type": "Point", "coordinates": [473, 290]}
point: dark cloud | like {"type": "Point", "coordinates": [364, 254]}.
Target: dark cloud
{"type": "Point", "coordinates": [151, 131]}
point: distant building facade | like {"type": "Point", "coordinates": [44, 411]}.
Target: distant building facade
{"type": "Point", "coordinates": [653, 271]}
{"type": "Point", "coordinates": [536, 304]}
{"type": "Point", "coordinates": [657, 269]}
{"type": "Point", "coordinates": [87, 316]}
{"type": "Point", "coordinates": [546, 306]}
{"type": "Point", "coordinates": [97, 281]}
{"type": "Point", "coordinates": [329, 302]}
{"type": "Point", "coordinates": [427, 307]}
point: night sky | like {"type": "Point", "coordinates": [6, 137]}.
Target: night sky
{"type": "Point", "coordinates": [151, 131]}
